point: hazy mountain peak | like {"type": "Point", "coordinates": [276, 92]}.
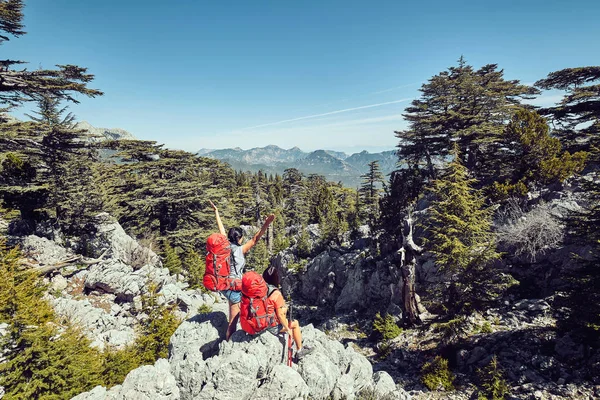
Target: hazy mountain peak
{"type": "Point", "coordinates": [334, 165]}
{"type": "Point", "coordinates": [99, 134]}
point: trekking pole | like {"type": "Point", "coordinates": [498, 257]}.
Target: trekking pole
{"type": "Point", "coordinates": [289, 360]}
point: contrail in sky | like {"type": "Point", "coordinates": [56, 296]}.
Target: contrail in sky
{"type": "Point", "coordinates": [324, 114]}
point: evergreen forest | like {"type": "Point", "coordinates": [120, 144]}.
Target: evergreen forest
{"type": "Point", "coordinates": [474, 199]}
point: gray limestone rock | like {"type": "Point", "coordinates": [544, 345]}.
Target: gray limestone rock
{"type": "Point", "coordinates": [148, 382]}
{"type": "Point", "coordinates": [43, 250]}
{"type": "Point", "coordinates": [101, 327]}
{"type": "Point", "coordinates": [384, 383]}
{"type": "Point", "coordinates": [282, 383]}
{"type": "Point", "coordinates": [97, 393]}
{"type": "Point", "coordinates": [110, 236]}
{"type": "Point", "coordinates": [119, 278]}
{"type": "Point", "coordinates": [203, 366]}
{"type": "Point", "coordinates": [195, 340]}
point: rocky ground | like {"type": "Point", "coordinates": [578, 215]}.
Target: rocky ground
{"type": "Point", "coordinates": [338, 291]}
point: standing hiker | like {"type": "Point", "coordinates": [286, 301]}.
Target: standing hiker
{"type": "Point", "coordinates": [238, 261]}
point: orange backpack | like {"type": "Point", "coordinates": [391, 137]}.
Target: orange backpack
{"type": "Point", "coordinates": [257, 311]}
{"type": "Point", "coordinates": [218, 265]}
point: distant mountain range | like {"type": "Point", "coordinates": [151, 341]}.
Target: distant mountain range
{"type": "Point", "coordinates": [334, 165]}
{"type": "Point", "coordinates": [105, 133]}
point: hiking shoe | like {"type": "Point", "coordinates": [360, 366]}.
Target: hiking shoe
{"type": "Point", "coordinates": [303, 352]}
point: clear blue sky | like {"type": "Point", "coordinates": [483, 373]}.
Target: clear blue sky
{"type": "Point", "coordinates": [215, 74]}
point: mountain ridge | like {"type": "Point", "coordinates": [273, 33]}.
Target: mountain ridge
{"type": "Point", "coordinates": [334, 165]}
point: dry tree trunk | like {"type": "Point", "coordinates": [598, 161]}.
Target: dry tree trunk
{"type": "Point", "coordinates": [408, 262]}
{"type": "Point", "coordinates": [78, 259]}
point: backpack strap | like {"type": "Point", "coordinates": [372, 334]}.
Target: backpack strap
{"type": "Point", "coordinates": [271, 289]}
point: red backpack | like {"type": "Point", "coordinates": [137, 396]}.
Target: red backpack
{"type": "Point", "coordinates": [218, 262]}
{"type": "Point", "coordinates": [257, 311]}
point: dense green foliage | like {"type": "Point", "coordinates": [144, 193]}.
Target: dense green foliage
{"type": "Point", "coordinates": [492, 384]}
{"type": "Point", "coordinates": [470, 146]}
{"type": "Point", "coordinates": [386, 326]}
{"type": "Point", "coordinates": [461, 105]}
{"type": "Point", "coordinates": [435, 374]}
{"type": "Point", "coordinates": [45, 360]}
{"type": "Point", "coordinates": [577, 115]}
{"type": "Point", "coordinates": [461, 238]}
{"type": "Point", "coordinates": [531, 157]}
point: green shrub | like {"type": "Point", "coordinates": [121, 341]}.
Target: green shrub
{"type": "Point", "coordinates": [195, 266]}
{"type": "Point", "coordinates": [116, 364]}
{"type": "Point", "coordinates": [493, 386]}
{"type": "Point", "coordinates": [298, 266]}
{"type": "Point", "coordinates": [452, 329]}
{"type": "Point", "coordinates": [204, 309]}
{"type": "Point", "coordinates": [486, 327]}
{"type": "Point", "coordinates": [45, 359]}
{"type": "Point", "coordinates": [155, 332]}
{"type": "Point", "coordinates": [436, 374]}
{"type": "Point", "coordinates": [386, 326]}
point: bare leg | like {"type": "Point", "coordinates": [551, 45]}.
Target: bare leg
{"type": "Point", "coordinates": [234, 316]}
{"type": "Point", "coordinates": [296, 334]}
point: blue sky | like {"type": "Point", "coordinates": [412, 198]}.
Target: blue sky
{"type": "Point", "coordinates": [313, 74]}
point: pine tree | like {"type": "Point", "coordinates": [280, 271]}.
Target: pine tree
{"type": "Point", "coordinates": [462, 105]}
{"type": "Point", "coordinates": [155, 332]}
{"type": "Point", "coordinates": [44, 360]}
{"type": "Point", "coordinates": [19, 86]}
{"type": "Point", "coordinates": [370, 192]}
{"type": "Point", "coordinates": [461, 238]}
{"type": "Point", "coordinates": [194, 266]}
{"type": "Point", "coordinates": [165, 192]}
{"type": "Point", "coordinates": [171, 260]}
{"type": "Point", "coordinates": [531, 157]}
{"type": "Point", "coordinates": [329, 222]}
{"type": "Point", "coordinates": [296, 210]}
{"type": "Point", "coordinates": [577, 117]}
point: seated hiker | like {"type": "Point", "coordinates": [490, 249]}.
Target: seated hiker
{"type": "Point", "coordinates": [263, 308]}
{"type": "Point", "coordinates": [238, 261]}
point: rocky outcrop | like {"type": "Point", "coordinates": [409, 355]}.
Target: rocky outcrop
{"type": "Point", "coordinates": [43, 250]}
{"type": "Point", "coordinates": [340, 281]}
{"type": "Point", "coordinates": [108, 236]}
{"type": "Point", "coordinates": [105, 298]}
{"type": "Point", "coordinates": [149, 382]}
{"type": "Point", "coordinates": [204, 366]}
{"type": "Point", "coordinates": [103, 327]}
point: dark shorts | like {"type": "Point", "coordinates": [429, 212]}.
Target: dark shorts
{"type": "Point", "coordinates": [275, 329]}
{"type": "Point", "coordinates": [233, 296]}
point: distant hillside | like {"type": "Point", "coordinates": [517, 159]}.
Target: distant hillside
{"type": "Point", "coordinates": [334, 165]}
{"type": "Point", "coordinates": [100, 134]}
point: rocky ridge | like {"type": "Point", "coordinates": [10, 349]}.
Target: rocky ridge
{"type": "Point", "coordinates": [201, 365]}
{"type": "Point", "coordinates": [105, 298]}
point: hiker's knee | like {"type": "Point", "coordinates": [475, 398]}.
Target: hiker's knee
{"type": "Point", "coordinates": [294, 324]}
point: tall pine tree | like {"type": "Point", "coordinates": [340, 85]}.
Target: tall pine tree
{"type": "Point", "coordinates": [462, 240]}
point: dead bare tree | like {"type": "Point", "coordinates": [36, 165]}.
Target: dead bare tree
{"type": "Point", "coordinates": [76, 259]}
{"type": "Point", "coordinates": [408, 261]}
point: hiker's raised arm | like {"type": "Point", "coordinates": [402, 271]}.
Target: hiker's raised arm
{"type": "Point", "coordinates": [219, 222]}
{"type": "Point", "coordinates": [250, 243]}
